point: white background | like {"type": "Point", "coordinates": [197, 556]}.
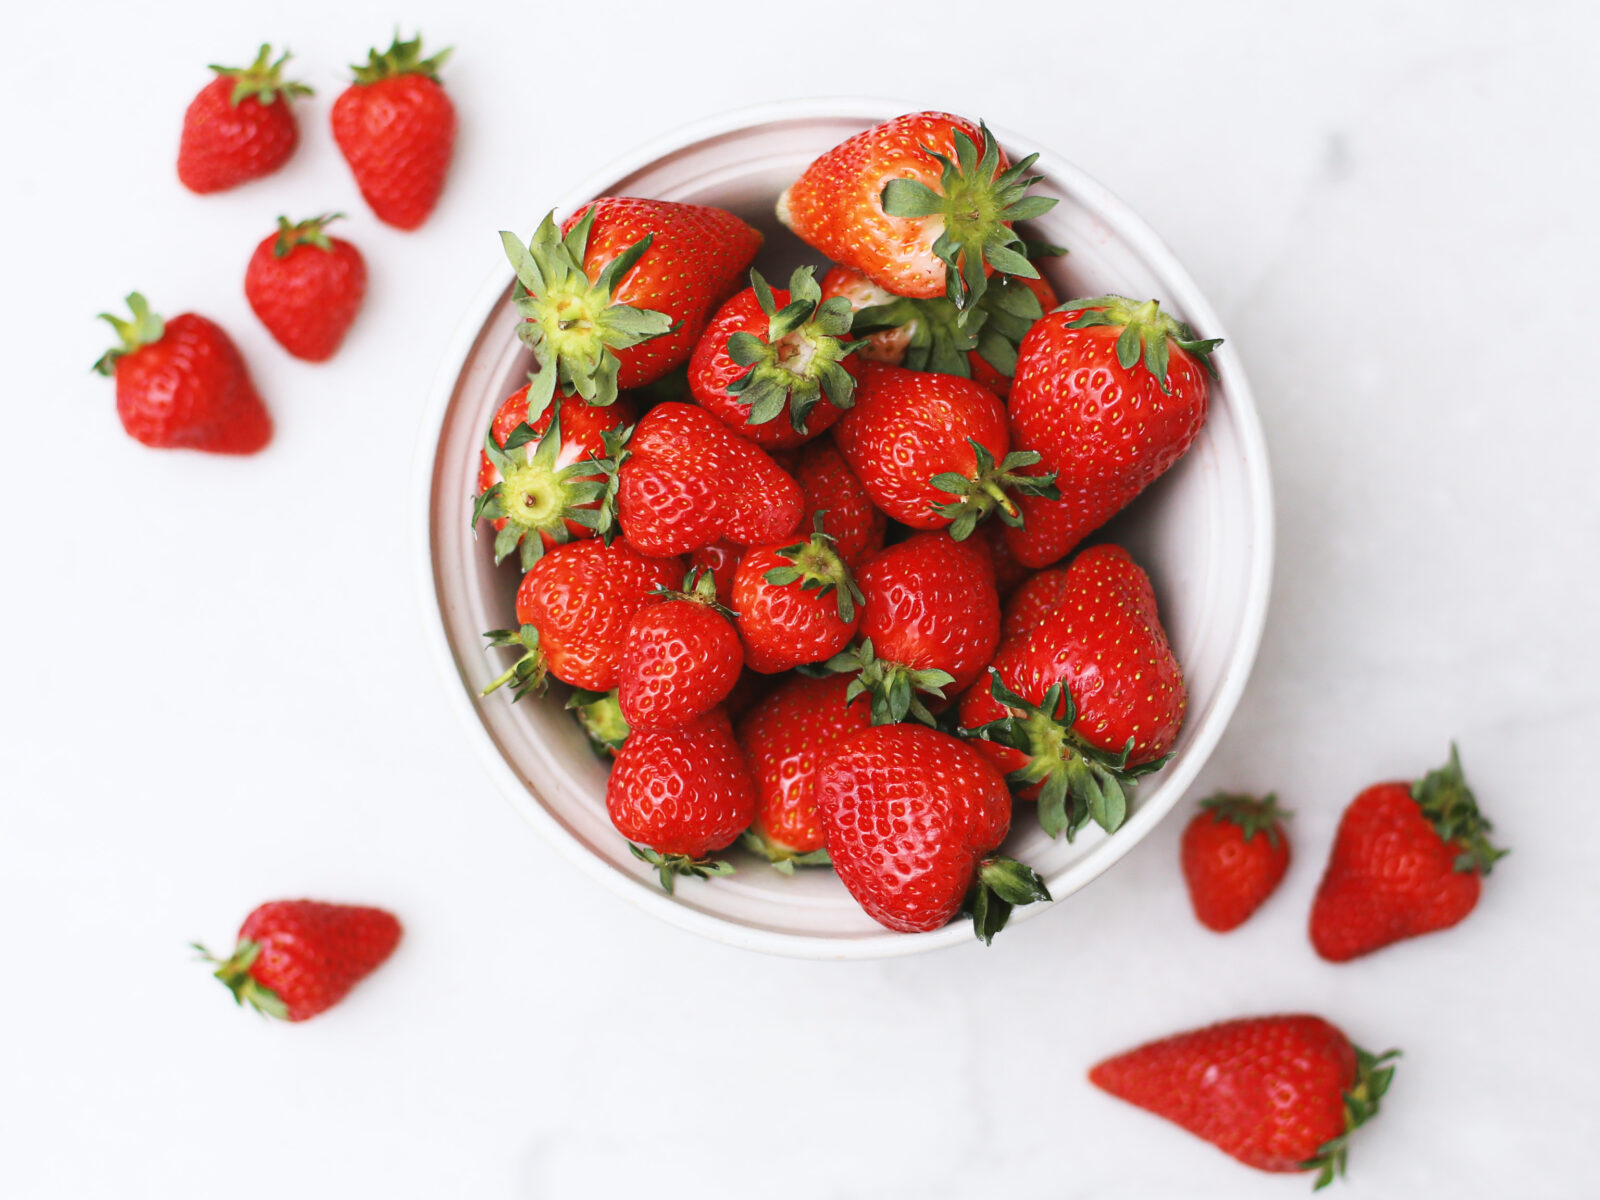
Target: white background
{"type": "Point", "coordinates": [214, 691]}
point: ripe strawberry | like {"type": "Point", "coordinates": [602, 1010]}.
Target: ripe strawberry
{"type": "Point", "coordinates": [930, 621]}
{"type": "Point", "coordinates": [1009, 574]}
{"type": "Point", "coordinates": [832, 491]}
{"type": "Point", "coordinates": [181, 384]}
{"type": "Point", "coordinates": [620, 293]}
{"type": "Point", "coordinates": [932, 450]}
{"type": "Point", "coordinates": [600, 717]}
{"type": "Point", "coordinates": [1276, 1093]}
{"type": "Point", "coordinates": [680, 658]}
{"type": "Point", "coordinates": [912, 205]}
{"type": "Point", "coordinates": [1234, 856]}
{"type": "Point", "coordinates": [786, 615]}
{"type": "Point", "coordinates": [240, 126]}
{"type": "Point", "coordinates": [396, 128]}
{"type": "Point", "coordinates": [1032, 602]}
{"type": "Point", "coordinates": [298, 958]}
{"type": "Point", "coordinates": [721, 561]}
{"type": "Point", "coordinates": [573, 609]}
{"type": "Point", "coordinates": [306, 287]}
{"type": "Point", "coordinates": [911, 817]}
{"type": "Point", "coordinates": [550, 472]}
{"type": "Point", "coordinates": [1110, 394]}
{"type": "Point", "coordinates": [678, 794]}
{"type": "Point", "coordinates": [1407, 860]}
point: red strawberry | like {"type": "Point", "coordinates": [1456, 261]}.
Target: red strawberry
{"type": "Point", "coordinates": [888, 345]}
{"type": "Point", "coordinates": [396, 128]}
{"type": "Point", "coordinates": [679, 794]}
{"type": "Point", "coordinates": [298, 958]}
{"type": "Point", "coordinates": [620, 293]}
{"type": "Point", "coordinates": [912, 817]}
{"type": "Point", "coordinates": [856, 525]}
{"type": "Point", "coordinates": [721, 560]}
{"type": "Point", "coordinates": [550, 472]}
{"type": "Point", "coordinates": [932, 450]}
{"type": "Point", "coordinates": [600, 717]}
{"type": "Point", "coordinates": [573, 609]}
{"type": "Point", "coordinates": [181, 384]}
{"type": "Point", "coordinates": [1276, 1093]}
{"type": "Point", "coordinates": [1407, 860]}
{"type": "Point", "coordinates": [306, 287]}
{"type": "Point", "coordinates": [680, 658]}
{"type": "Point", "coordinates": [1110, 394]}
{"type": "Point", "coordinates": [1009, 574]}
{"type": "Point", "coordinates": [1032, 602]}
{"type": "Point", "coordinates": [784, 738]}
{"type": "Point", "coordinates": [912, 205]}
{"type": "Point", "coordinates": [1234, 856]}
{"type": "Point", "coordinates": [797, 603]}
{"type": "Point", "coordinates": [240, 126]}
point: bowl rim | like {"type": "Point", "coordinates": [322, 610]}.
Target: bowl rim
{"type": "Point", "coordinates": [1187, 297]}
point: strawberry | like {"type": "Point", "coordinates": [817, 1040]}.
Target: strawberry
{"type": "Point", "coordinates": [680, 658]}
{"type": "Point", "coordinates": [240, 126]}
{"type": "Point", "coordinates": [678, 794]}
{"type": "Point", "coordinates": [787, 616]}
{"type": "Point", "coordinates": [832, 491]}
{"type": "Point", "coordinates": [396, 128]}
{"type": "Point", "coordinates": [1110, 394]}
{"type": "Point", "coordinates": [306, 287]}
{"type": "Point", "coordinates": [784, 738]}
{"type": "Point", "coordinates": [549, 472]}
{"type": "Point", "coordinates": [721, 561]}
{"type": "Point", "coordinates": [573, 610]}
{"type": "Point", "coordinates": [1234, 856]}
{"type": "Point", "coordinates": [618, 296]}
{"type": "Point", "coordinates": [933, 450]}
{"type": "Point", "coordinates": [182, 384]}
{"type": "Point", "coordinates": [1276, 1093]}
{"type": "Point", "coordinates": [298, 958]}
{"type": "Point", "coordinates": [1034, 600]}
{"type": "Point", "coordinates": [1009, 574]}
{"type": "Point", "coordinates": [770, 363]}
{"type": "Point", "coordinates": [600, 717]}
{"type": "Point", "coordinates": [917, 208]}
{"type": "Point", "coordinates": [911, 817]}
{"type": "Point", "coordinates": [888, 345]}
{"type": "Point", "coordinates": [1408, 859]}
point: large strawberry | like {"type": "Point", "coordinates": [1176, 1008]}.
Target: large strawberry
{"type": "Point", "coordinates": [1110, 393]}
{"type": "Point", "coordinates": [1408, 859]}
{"type": "Point", "coordinates": [1276, 1093]}
{"type": "Point", "coordinates": [240, 126]}
{"type": "Point", "coordinates": [396, 128]}
{"type": "Point", "coordinates": [912, 818]}
{"type": "Point", "coordinates": [182, 384]}
{"type": "Point", "coordinates": [618, 295]}
{"type": "Point", "coordinates": [917, 207]}
{"type": "Point", "coordinates": [797, 603]}
{"type": "Point", "coordinates": [832, 491]}
{"type": "Point", "coordinates": [1234, 854]}
{"type": "Point", "coordinates": [298, 958]}
{"type": "Point", "coordinates": [933, 450]}
{"type": "Point", "coordinates": [680, 658]}
{"type": "Point", "coordinates": [306, 287]}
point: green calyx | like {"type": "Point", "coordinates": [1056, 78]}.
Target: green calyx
{"type": "Point", "coordinates": [799, 360]}
{"type": "Point", "coordinates": [569, 321]}
{"type": "Point", "coordinates": [401, 58]}
{"type": "Point", "coordinates": [1148, 334]}
{"type": "Point", "coordinates": [985, 490]}
{"type": "Point", "coordinates": [262, 79]}
{"type": "Point", "coordinates": [1448, 803]}
{"type": "Point", "coordinates": [779, 857]}
{"type": "Point", "coordinates": [670, 866]}
{"type": "Point", "coordinates": [1251, 814]}
{"type": "Point", "coordinates": [234, 972]}
{"type": "Point", "coordinates": [1002, 885]}
{"type": "Point", "coordinates": [303, 233]}
{"type": "Point", "coordinates": [699, 587]}
{"type": "Point", "coordinates": [600, 717]}
{"type": "Point", "coordinates": [816, 566]}
{"type": "Point", "coordinates": [942, 335]}
{"type": "Point", "coordinates": [145, 327]}
{"type": "Point", "coordinates": [896, 689]}
{"type": "Point", "coordinates": [977, 205]}
{"type": "Point", "coordinates": [529, 674]}
{"type": "Point", "coordinates": [1374, 1073]}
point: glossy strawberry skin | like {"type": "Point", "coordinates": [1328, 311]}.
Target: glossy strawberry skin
{"type": "Point", "coordinates": [856, 525]}
{"type": "Point", "coordinates": [398, 135]}
{"type": "Point", "coordinates": [307, 299]}
{"type": "Point", "coordinates": [680, 658]}
{"type": "Point", "coordinates": [312, 953]}
{"type": "Point", "coordinates": [224, 145]}
{"type": "Point", "coordinates": [785, 625]}
{"type": "Point", "coordinates": [191, 390]}
{"type": "Point", "coordinates": [1229, 872]}
{"type": "Point", "coordinates": [1031, 603]}
{"type": "Point", "coordinates": [684, 790]}
{"type": "Point", "coordinates": [721, 558]}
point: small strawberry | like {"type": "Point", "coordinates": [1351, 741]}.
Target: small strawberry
{"type": "Point", "coordinates": [720, 560]}
{"type": "Point", "coordinates": [1034, 600]}
{"type": "Point", "coordinates": [680, 658]}
{"type": "Point", "coordinates": [1110, 393]}
{"type": "Point", "coordinates": [888, 345]}
{"type": "Point", "coordinates": [912, 817]}
{"type": "Point", "coordinates": [1408, 860]}
{"type": "Point", "coordinates": [832, 491]}
{"type": "Point", "coordinates": [1234, 854]}
{"type": "Point", "coordinates": [1276, 1093]}
{"type": "Point", "coordinates": [396, 128]}
{"type": "Point", "coordinates": [240, 126]}
{"type": "Point", "coordinates": [679, 794]}
{"type": "Point", "coordinates": [182, 384]}
{"type": "Point", "coordinates": [797, 603]}
{"type": "Point", "coordinates": [915, 206]}
{"type": "Point", "coordinates": [298, 958]}
{"type": "Point", "coordinates": [618, 296]}
{"type": "Point", "coordinates": [306, 287]}
{"type": "Point", "coordinates": [600, 717]}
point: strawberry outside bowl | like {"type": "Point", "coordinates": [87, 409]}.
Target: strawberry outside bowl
{"type": "Point", "coordinates": [1203, 532]}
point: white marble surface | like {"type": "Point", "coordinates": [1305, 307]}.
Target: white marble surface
{"type": "Point", "coordinates": [214, 693]}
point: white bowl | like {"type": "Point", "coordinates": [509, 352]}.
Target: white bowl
{"type": "Point", "coordinates": [1203, 532]}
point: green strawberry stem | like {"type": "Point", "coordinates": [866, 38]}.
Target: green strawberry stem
{"type": "Point", "coordinates": [600, 717]}
{"type": "Point", "coordinates": [1448, 803]}
{"type": "Point", "coordinates": [401, 58]}
{"type": "Point", "coordinates": [781, 858]}
{"type": "Point", "coordinates": [1002, 885]}
{"type": "Point", "coordinates": [1374, 1073]}
{"type": "Point", "coordinates": [1148, 334]}
{"type": "Point", "coordinates": [303, 233]}
{"type": "Point", "coordinates": [700, 587]}
{"type": "Point", "coordinates": [985, 490]}
{"type": "Point", "coordinates": [234, 972]}
{"type": "Point", "coordinates": [941, 335]}
{"type": "Point", "coordinates": [1251, 814]}
{"type": "Point", "coordinates": [528, 674]}
{"type": "Point", "coordinates": [816, 566]}
{"type": "Point", "coordinates": [262, 79]}
{"type": "Point", "coordinates": [896, 689]}
{"type": "Point", "coordinates": [799, 361]}
{"type": "Point", "coordinates": [670, 866]}
{"type": "Point", "coordinates": [145, 329]}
